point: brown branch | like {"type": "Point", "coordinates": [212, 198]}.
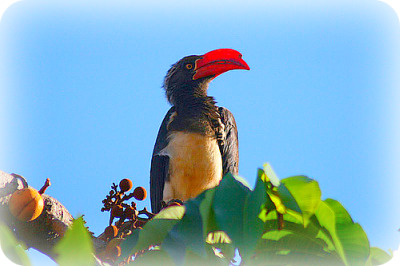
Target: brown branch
{"type": "Point", "coordinates": [10, 183]}
{"type": "Point", "coordinates": [44, 232]}
{"type": "Point", "coordinates": [45, 186]}
{"type": "Point", "coordinates": [147, 213]}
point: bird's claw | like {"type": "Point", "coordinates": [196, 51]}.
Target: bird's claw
{"type": "Point", "coordinates": [173, 202]}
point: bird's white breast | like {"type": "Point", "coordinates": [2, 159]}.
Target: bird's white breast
{"type": "Point", "coordinates": [195, 165]}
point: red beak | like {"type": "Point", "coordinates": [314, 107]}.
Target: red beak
{"type": "Point", "coordinates": [217, 62]}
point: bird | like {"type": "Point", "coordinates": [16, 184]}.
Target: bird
{"type": "Point", "coordinates": [197, 143]}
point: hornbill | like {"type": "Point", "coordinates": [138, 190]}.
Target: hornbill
{"type": "Point", "coordinates": [197, 142]}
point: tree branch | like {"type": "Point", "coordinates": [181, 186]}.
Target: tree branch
{"type": "Point", "coordinates": [44, 232]}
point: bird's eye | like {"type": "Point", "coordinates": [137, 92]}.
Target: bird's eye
{"type": "Point", "coordinates": [189, 66]}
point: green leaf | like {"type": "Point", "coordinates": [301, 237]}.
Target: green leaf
{"type": "Point", "coordinates": [170, 213]}
{"type": "Point", "coordinates": [241, 180]}
{"type": "Point", "coordinates": [322, 234]}
{"type": "Point", "coordinates": [253, 226]}
{"type": "Point", "coordinates": [286, 198]}
{"type": "Point", "coordinates": [289, 241]}
{"type": "Point", "coordinates": [295, 244]}
{"type": "Point", "coordinates": [270, 175]}
{"type": "Point", "coordinates": [11, 247]}
{"type": "Point", "coordinates": [260, 189]}
{"type": "Point", "coordinates": [306, 193]}
{"type": "Point", "coordinates": [276, 234]}
{"type": "Point", "coordinates": [313, 230]}
{"type": "Point", "coordinates": [355, 243]}
{"type": "Point", "coordinates": [294, 225]}
{"type": "Point", "coordinates": [208, 219]}
{"type": "Point", "coordinates": [294, 258]}
{"type": "Point", "coordinates": [351, 235]}
{"type": "Point", "coordinates": [155, 230]}
{"type": "Point", "coordinates": [188, 232]}
{"type": "Point", "coordinates": [207, 212]}
{"type": "Point", "coordinates": [377, 256]}
{"type": "Point", "coordinates": [153, 257]}
{"type": "Point", "coordinates": [341, 214]}
{"type": "Point", "coordinates": [128, 244]}
{"type": "Point", "coordinates": [327, 219]}
{"type": "Point", "coordinates": [191, 232]}
{"type": "Point", "coordinates": [76, 247]}
{"type": "Point", "coordinates": [229, 200]}
{"type": "Point", "coordinates": [192, 258]}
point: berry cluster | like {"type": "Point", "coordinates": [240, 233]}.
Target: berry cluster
{"type": "Point", "coordinates": [116, 202]}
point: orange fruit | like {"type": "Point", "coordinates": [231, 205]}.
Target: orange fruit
{"type": "Point", "coordinates": [111, 231]}
{"type": "Point", "coordinates": [140, 193]}
{"type": "Point", "coordinates": [26, 204]}
{"type": "Point", "coordinates": [125, 185]}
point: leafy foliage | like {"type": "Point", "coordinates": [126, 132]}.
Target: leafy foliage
{"type": "Point", "coordinates": [75, 248]}
{"type": "Point", "coordinates": [12, 248]}
{"type": "Point", "coordinates": [278, 222]}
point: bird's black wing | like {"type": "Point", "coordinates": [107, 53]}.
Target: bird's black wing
{"type": "Point", "coordinates": [230, 148]}
{"type": "Point", "coordinates": [159, 165]}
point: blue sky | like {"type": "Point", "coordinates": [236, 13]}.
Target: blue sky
{"type": "Point", "coordinates": [81, 90]}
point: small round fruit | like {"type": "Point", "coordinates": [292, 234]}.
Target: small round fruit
{"type": "Point", "coordinates": [140, 193]}
{"type": "Point", "coordinates": [117, 211]}
{"type": "Point", "coordinates": [111, 231]}
{"type": "Point", "coordinates": [125, 185]}
{"type": "Point", "coordinates": [26, 204]}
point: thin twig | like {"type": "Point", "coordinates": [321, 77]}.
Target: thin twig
{"type": "Point", "coordinates": [45, 186]}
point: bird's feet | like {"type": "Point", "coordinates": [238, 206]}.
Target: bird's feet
{"type": "Point", "coordinates": [173, 202]}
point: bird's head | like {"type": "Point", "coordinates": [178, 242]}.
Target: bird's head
{"type": "Point", "coordinates": [191, 74]}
